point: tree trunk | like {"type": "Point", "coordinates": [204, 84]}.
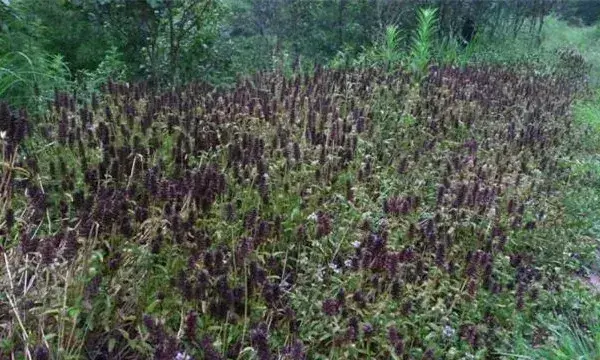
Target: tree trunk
{"type": "Point", "coordinates": [172, 44]}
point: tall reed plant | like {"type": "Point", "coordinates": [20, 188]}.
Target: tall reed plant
{"type": "Point", "coordinates": [422, 41]}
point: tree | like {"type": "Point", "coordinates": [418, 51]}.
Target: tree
{"type": "Point", "coordinates": [160, 32]}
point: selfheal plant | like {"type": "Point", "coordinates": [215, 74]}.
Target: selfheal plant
{"type": "Point", "coordinates": [237, 208]}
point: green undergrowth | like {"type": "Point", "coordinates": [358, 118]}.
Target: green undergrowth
{"type": "Point", "coordinates": [575, 49]}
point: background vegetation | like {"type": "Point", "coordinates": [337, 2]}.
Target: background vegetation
{"type": "Point", "coordinates": [307, 179]}
{"type": "Point", "coordinates": [168, 42]}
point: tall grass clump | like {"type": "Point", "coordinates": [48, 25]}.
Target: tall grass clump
{"type": "Point", "coordinates": [573, 342]}
{"type": "Point", "coordinates": [29, 80]}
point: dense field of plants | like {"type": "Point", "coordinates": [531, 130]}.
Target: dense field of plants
{"type": "Point", "coordinates": [335, 214]}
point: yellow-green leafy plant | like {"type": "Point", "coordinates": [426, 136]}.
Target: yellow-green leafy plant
{"type": "Point", "coordinates": [422, 40]}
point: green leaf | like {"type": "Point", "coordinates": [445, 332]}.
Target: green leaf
{"type": "Point", "coordinates": [111, 344]}
{"type": "Point", "coordinates": [73, 312]}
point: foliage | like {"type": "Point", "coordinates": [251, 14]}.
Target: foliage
{"type": "Point", "coordinates": [60, 27]}
{"type": "Point", "coordinates": [583, 41]}
{"type": "Point", "coordinates": [210, 221]}
{"type": "Point", "coordinates": [172, 39]}
{"type": "Point", "coordinates": [390, 52]}
{"type": "Point", "coordinates": [583, 12]}
{"type": "Point", "coordinates": [572, 327]}
{"type": "Point", "coordinates": [29, 80]}
{"type": "Point", "coordinates": [587, 113]}
{"type": "Point", "coordinates": [428, 196]}
{"type": "Point", "coordinates": [111, 67]}
{"type": "Point", "coordinates": [573, 52]}
{"type": "Point", "coordinates": [422, 41]}
{"type": "Point", "coordinates": [386, 53]}
{"type": "Point", "coordinates": [574, 343]}
{"type": "Point", "coordinates": [451, 50]}
{"type": "Point", "coordinates": [171, 42]}
{"type": "Point", "coordinates": [28, 74]}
